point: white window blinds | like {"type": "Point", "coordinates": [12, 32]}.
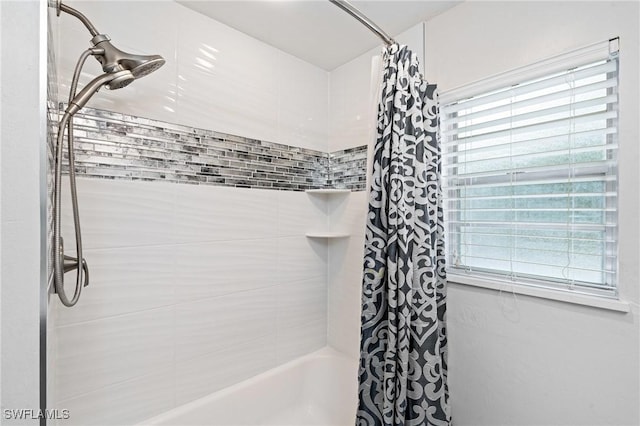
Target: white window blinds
{"type": "Point", "coordinates": [530, 178]}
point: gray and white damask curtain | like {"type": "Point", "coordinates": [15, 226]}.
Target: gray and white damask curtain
{"type": "Point", "coordinates": [403, 358]}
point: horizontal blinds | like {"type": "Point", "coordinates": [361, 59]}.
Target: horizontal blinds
{"type": "Point", "coordinates": [530, 178]}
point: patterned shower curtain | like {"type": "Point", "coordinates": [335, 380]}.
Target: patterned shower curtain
{"type": "Point", "coordinates": [403, 346]}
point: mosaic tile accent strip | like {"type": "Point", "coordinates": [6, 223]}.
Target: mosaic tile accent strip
{"type": "Point", "coordinates": [111, 145]}
{"type": "Point", "coordinates": [347, 169]}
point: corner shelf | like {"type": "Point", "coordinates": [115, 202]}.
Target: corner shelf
{"type": "Point", "coordinates": [328, 191]}
{"type": "Point", "coordinates": [325, 193]}
{"type": "Point", "coordinates": [327, 234]}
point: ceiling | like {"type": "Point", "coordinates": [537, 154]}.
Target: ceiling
{"type": "Point", "coordinates": [316, 30]}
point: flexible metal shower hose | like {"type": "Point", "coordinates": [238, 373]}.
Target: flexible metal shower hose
{"type": "Point", "coordinates": [82, 277]}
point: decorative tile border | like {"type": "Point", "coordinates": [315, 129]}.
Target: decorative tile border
{"type": "Point", "coordinates": [116, 146]}
{"type": "Point", "coordinates": [347, 169]}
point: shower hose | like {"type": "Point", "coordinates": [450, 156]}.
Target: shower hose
{"type": "Point", "coordinates": [61, 262]}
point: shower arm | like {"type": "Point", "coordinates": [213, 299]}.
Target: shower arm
{"type": "Point", "coordinates": [97, 37]}
{"type": "Point", "coordinates": [61, 7]}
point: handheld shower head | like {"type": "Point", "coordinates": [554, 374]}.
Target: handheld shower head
{"type": "Point", "coordinates": [113, 80]}
{"type": "Point", "coordinates": [121, 69]}
{"type": "Point", "coordinates": [114, 59]}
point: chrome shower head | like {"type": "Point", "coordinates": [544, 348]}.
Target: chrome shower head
{"type": "Point", "coordinates": [146, 65]}
{"type": "Point", "coordinates": [113, 80]}
{"type": "Point", "coordinates": [114, 59]}
{"type": "Point", "coordinates": [120, 79]}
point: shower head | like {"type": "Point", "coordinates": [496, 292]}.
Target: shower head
{"type": "Point", "coordinates": [114, 59]}
{"type": "Point", "coordinates": [113, 80]}
{"type": "Point", "coordinates": [120, 70]}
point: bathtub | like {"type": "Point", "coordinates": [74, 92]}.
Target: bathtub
{"type": "Point", "coordinates": [316, 389]}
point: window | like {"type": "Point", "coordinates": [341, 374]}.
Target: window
{"type": "Point", "coordinates": [530, 176]}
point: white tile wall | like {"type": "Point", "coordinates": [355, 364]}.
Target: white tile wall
{"type": "Point", "coordinates": [95, 354]}
{"type": "Point", "coordinates": [224, 267]}
{"type": "Point", "coordinates": [179, 311]}
{"type": "Point", "coordinates": [117, 214]}
{"type": "Point", "coordinates": [227, 80]}
{"type": "Point", "coordinates": [348, 212]}
{"type": "Point", "coordinates": [351, 116]}
{"type": "Point", "coordinates": [123, 403]}
{"type": "Point", "coordinates": [215, 77]}
{"type": "Point", "coordinates": [302, 103]}
{"type": "Point", "coordinates": [132, 279]}
{"type": "Point", "coordinates": [300, 213]}
{"type": "Point", "coordinates": [134, 31]}
{"type": "Point", "coordinates": [352, 102]}
{"type": "Point", "coordinates": [301, 318]}
{"type": "Point", "coordinates": [197, 377]}
{"type": "Point", "coordinates": [345, 273]}
{"type": "Point", "coordinates": [300, 258]}
{"type": "Point", "coordinates": [193, 273]}
{"type": "Point", "coordinates": [209, 325]}
{"type": "Point", "coordinates": [217, 283]}
{"type": "Point", "coordinates": [213, 213]}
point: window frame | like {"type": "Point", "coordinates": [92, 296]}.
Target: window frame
{"type": "Point", "coordinates": [535, 285]}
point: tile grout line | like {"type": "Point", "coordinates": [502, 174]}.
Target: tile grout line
{"type": "Point", "coordinates": [184, 302]}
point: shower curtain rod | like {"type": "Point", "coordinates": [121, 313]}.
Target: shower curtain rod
{"type": "Point", "coordinates": [348, 7]}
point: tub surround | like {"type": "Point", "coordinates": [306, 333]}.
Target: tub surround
{"type": "Point", "coordinates": [194, 288]}
{"type": "Point", "coordinates": [199, 286]}
{"type": "Point", "coordinates": [201, 273]}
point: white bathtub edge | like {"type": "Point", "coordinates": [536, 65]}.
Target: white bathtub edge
{"type": "Point", "coordinates": [325, 352]}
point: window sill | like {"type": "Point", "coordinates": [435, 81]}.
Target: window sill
{"type": "Point", "coordinates": [543, 293]}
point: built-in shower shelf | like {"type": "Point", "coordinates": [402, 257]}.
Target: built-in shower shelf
{"type": "Point", "coordinates": [326, 194]}
{"type": "Point", "coordinates": [327, 234]}
{"type": "Point", "coordinates": [328, 191]}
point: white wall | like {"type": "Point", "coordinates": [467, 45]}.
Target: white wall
{"type": "Point", "coordinates": [352, 121]}
{"type": "Point", "coordinates": [193, 287]}
{"type": "Point", "coordinates": [23, 132]}
{"type": "Point", "coordinates": [514, 360]}
{"type": "Point", "coordinates": [521, 360]}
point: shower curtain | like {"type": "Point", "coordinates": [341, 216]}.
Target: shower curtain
{"type": "Point", "coordinates": [403, 346]}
